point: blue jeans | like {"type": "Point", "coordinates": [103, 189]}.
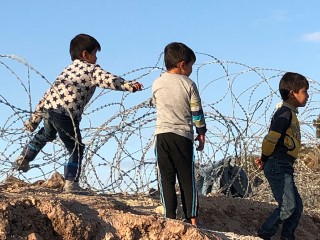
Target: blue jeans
{"type": "Point", "coordinates": [279, 173]}
{"type": "Point", "coordinates": [204, 185]}
{"type": "Point", "coordinates": [70, 135]}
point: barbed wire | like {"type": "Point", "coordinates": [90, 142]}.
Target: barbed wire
{"type": "Point", "coordinates": [238, 101]}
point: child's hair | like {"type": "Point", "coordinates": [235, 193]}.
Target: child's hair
{"type": "Point", "coordinates": [292, 81]}
{"type": "Point", "coordinates": [176, 52]}
{"type": "Point", "coordinates": [83, 42]}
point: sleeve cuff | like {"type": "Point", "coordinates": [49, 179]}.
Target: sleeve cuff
{"type": "Point", "coordinates": [264, 158]}
{"type": "Point", "coordinates": [201, 131]}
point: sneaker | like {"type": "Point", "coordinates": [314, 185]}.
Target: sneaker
{"type": "Point", "coordinates": [21, 164]}
{"type": "Point", "coordinates": [74, 188]}
{"type": "Point", "coordinates": [27, 155]}
{"type": "Point", "coordinates": [185, 220]}
{"type": "Point", "coordinates": [192, 221]}
{"type": "Point", "coordinates": [260, 234]}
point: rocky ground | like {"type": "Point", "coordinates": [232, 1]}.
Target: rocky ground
{"type": "Point", "coordinates": [40, 211]}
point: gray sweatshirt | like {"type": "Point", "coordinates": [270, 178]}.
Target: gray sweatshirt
{"type": "Point", "coordinates": [178, 105]}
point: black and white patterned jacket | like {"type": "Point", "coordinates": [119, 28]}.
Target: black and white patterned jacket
{"type": "Point", "coordinates": [73, 89]}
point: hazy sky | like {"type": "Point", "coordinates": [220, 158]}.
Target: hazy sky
{"type": "Point", "coordinates": [274, 34]}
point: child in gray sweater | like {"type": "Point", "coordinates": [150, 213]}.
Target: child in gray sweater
{"type": "Point", "coordinates": [178, 105]}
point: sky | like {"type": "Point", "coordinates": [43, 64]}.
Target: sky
{"type": "Point", "coordinates": [282, 35]}
{"type": "Point", "coordinates": [273, 34]}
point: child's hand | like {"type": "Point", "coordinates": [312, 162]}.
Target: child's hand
{"type": "Point", "coordinates": [137, 87]}
{"type": "Point", "coordinates": [259, 163]}
{"type": "Point", "coordinates": [29, 126]}
{"type": "Point", "coordinates": [201, 138]}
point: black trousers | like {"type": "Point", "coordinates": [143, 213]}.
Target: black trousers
{"type": "Point", "coordinates": [175, 161]}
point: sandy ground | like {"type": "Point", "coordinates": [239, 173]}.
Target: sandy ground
{"type": "Point", "coordinates": [41, 211]}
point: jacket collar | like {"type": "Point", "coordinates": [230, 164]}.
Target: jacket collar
{"type": "Point", "coordinates": [290, 106]}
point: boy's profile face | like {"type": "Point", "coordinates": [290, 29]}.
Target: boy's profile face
{"type": "Point", "coordinates": [186, 68]}
{"type": "Point", "coordinates": [300, 98]}
{"type": "Point", "coordinates": [90, 57]}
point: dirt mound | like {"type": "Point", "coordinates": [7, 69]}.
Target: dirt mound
{"type": "Point", "coordinates": [36, 211]}
{"type": "Point", "coordinates": [40, 211]}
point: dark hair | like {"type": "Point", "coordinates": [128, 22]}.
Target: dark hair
{"type": "Point", "coordinates": [292, 81]}
{"type": "Point", "coordinates": [82, 42]}
{"type": "Point", "coordinates": [176, 52]}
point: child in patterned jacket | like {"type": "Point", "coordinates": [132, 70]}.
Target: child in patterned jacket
{"type": "Point", "coordinates": [63, 104]}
